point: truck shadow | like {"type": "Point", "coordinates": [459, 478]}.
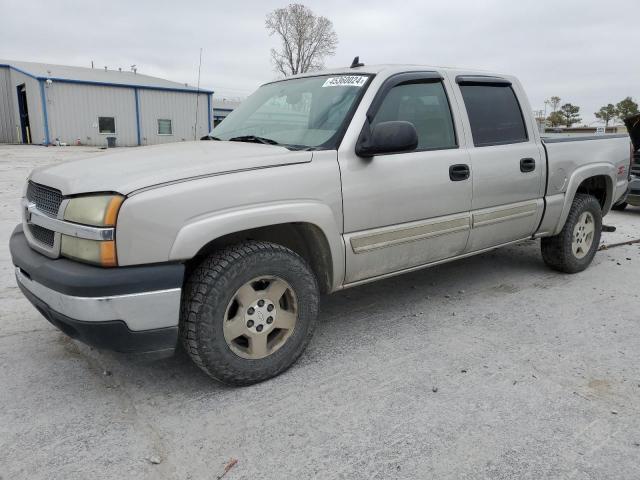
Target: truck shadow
{"type": "Point", "coordinates": [629, 211]}
{"type": "Point", "coordinates": [493, 274]}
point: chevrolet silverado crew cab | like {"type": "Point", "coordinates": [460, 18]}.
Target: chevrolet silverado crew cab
{"type": "Point", "coordinates": [316, 183]}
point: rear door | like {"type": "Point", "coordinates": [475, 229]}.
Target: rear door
{"type": "Point", "coordinates": [407, 209]}
{"type": "Point", "coordinates": [507, 161]}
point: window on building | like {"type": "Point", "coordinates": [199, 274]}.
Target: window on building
{"type": "Point", "coordinates": [165, 127]}
{"type": "Point", "coordinates": [494, 114]}
{"type": "Point", "coordinates": [106, 125]}
{"type": "Point", "coordinates": [425, 105]}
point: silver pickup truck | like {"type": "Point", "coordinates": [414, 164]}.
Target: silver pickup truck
{"type": "Point", "coordinates": [315, 183]}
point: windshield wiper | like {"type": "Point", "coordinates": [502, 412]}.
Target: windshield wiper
{"type": "Point", "coordinates": [300, 148]}
{"type": "Point", "coordinates": [254, 139]}
{"type": "Point", "coordinates": [209, 137]}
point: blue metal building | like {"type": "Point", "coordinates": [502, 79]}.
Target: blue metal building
{"type": "Point", "coordinates": [45, 104]}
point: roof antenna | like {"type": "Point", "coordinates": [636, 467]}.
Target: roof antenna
{"type": "Point", "coordinates": [356, 63]}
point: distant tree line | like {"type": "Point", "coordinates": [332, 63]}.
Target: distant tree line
{"type": "Point", "coordinates": [569, 114]}
{"type": "Point", "coordinates": [621, 110]}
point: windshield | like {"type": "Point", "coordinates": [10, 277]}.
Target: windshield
{"type": "Point", "coordinates": [305, 112]}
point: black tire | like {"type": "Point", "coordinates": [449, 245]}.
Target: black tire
{"type": "Point", "coordinates": [208, 291]}
{"type": "Point", "coordinates": [556, 250]}
{"type": "Point", "coordinates": [620, 206]}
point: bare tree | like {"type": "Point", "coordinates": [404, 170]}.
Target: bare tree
{"type": "Point", "coordinates": [306, 39]}
{"type": "Point", "coordinates": [554, 102]}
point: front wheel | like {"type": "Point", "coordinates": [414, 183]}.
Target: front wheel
{"type": "Point", "coordinates": [248, 312]}
{"type": "Point", "coordinates": [573, 249]}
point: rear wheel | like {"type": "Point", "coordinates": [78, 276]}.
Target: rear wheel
{"type": "Point", "coordinates": [248, 312]}
{"type": "Point", "coordinates": [573, 249]}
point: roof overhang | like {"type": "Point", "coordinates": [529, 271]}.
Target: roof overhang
{"type": "Point", "coordinates": [107, 84]}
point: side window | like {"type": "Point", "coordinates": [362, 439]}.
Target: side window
{"type": "Point", "coordinates": [426, 106]}
{"type": "Point", "coordinates": [494, 114]}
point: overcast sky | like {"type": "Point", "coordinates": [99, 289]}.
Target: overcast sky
{"type": "Point", "coordinates": [586, 52]}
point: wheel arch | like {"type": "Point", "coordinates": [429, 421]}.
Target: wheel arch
{"type": "Point", "coordinates": [597, 180]}
{"type": "Point", "coordinates": [306, 239]}
{"type": "Point", "coordinates": [308, 230]}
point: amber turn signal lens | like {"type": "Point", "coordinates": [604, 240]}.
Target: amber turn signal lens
{"type": "Point", "coordinates": [111, 213]}
{"type": "Point", "coordinates": [108, 257]}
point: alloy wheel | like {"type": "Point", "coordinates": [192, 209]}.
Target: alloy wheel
{"type": "Point", "coordinates": [260, 317]}
{"type": "Point", "coordinates": [583, 233]}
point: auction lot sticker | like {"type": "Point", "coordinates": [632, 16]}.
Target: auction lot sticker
{"type": "Point", "coordinates": [345, 81]}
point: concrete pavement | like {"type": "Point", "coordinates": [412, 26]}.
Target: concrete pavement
{"type": "Point", "coordinates": [490, 367]}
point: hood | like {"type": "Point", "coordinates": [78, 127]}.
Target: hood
{"type": "Point", "coordinates": [130, 169]}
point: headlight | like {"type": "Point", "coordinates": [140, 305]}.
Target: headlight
{"type": "Point", "coordinates": [96, 211]}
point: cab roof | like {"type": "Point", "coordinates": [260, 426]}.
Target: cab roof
{"type": "Point", "coordinates": [391, 69]}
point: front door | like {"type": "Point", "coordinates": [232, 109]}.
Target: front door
{"type": "Point", "coordinates": [407, 209]}
{"type": "Point", "coordinates": [25, 128]}
{"type": "Point", "coordinates": [508, 164]}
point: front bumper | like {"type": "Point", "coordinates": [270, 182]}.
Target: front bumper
{"type": "Point", "coordinates": [126, 309]}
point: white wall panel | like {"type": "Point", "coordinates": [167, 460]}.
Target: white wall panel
{"type": "Point", "coordinates": [180, 108]}
{"type": "Point", "coordinates": [8, 132]}
{"type": "Point", "coordinates": [74, 109]}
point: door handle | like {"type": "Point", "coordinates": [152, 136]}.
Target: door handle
{"type": "Point", "coordinates": [459, 172]}
{"type": "Point", "coordinates": [527, 165]}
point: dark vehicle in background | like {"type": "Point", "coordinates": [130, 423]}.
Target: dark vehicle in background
{"type": "Point", "coordinates": [633, 194]}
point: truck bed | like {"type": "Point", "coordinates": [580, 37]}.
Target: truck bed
{"type": "Point", "coordinates": [566, 154]}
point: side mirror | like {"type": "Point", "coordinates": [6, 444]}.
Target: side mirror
{"type": "Point", "coordinates": [388, 137]}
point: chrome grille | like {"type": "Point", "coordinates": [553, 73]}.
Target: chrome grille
{"type": "Point", "coordinates": [42, 235]}
{"type": "Point", "coordinates": [47, 199]}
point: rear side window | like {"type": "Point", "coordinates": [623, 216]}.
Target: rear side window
{"type": "Point", "coordinates": [425, 105]}
{"type": "Point", "coordinates": [494, 114]}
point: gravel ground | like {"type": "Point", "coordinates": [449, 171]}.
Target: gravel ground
{"type": "Point", "coordinates": [489, 367]}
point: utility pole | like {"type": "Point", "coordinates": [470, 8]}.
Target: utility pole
{"type": "Point", "coordinates": [195, 129]}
